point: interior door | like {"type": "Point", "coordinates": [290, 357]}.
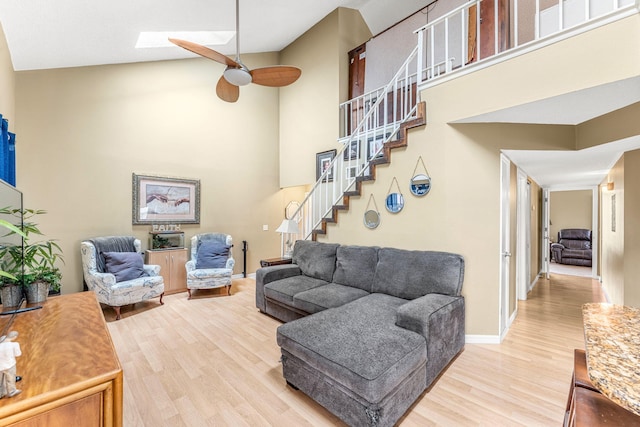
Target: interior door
{"type": "Point", "coordinates": [357, 62]}
{"type": "Point", "coordinates": [505, 241]}
{"type": "Point", "coordinates": [546, 244]}
{"type": "Point", "coordinates": [487, 29]}
{"type": "Point", "coordinates": [523, 270]}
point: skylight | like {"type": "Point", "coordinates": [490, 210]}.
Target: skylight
{"type": "Point", "coordinates": [151, 39]}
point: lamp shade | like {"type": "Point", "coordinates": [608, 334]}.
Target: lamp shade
{"type": "Point", "coordinates": [288, 226]}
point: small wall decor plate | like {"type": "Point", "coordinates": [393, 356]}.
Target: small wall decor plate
{"type": "Point", "coordinates": [394, 201]}
{"type": "Point", "coordinates": [371, 217]}
{"type": "Point", "coordinates": [421, 182]}
{"type": "Point", "coordinates": [420, 185]}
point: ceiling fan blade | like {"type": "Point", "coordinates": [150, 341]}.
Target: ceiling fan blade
{"type": "Point", "coordinates": [226, 91]}
{"type": "Point", "coordinates": [276, 76]}
{"type": "Point", "coordinates": [204, 51]}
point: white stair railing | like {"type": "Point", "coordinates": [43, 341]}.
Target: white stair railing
{"type": "Point", "coordinates": [369, 122]}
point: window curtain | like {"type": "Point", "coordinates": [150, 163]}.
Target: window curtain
{"type": "Point", "coordinates": [7, 153]}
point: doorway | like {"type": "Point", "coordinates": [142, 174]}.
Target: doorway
{"type": "Point", "coordinates": [487, 30]}
{"type": "Point", "coordinates": [574, 208]}
{"type": "Point", "coordinates": [357, 63]}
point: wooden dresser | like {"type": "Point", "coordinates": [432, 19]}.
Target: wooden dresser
{"type": "Point", "coordinates": [70, 369]}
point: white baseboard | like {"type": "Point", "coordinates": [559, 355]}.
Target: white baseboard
{"type": "Point", "coordinates": [482, 339]}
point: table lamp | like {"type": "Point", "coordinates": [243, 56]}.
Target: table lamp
{"type": "Point", "coordinates": [288, 227]}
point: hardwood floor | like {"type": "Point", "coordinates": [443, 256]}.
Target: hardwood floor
{"type": "Point", "coordinates": [214, 361]}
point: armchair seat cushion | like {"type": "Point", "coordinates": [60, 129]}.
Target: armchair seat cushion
{"type": "Point", "coordinates": [136, 285]}
{"type": "Point", "coordinates": [209, 273]}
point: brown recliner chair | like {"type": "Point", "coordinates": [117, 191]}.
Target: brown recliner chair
{"type": "Point", "coordinates": [573, 247]}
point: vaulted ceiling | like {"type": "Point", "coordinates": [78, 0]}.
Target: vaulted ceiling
{"type": "Point", "coordinates": [45, 34]}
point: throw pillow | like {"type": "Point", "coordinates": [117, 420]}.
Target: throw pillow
{"type": "Point", "coordinates": [124, 265]}
{"type": "Point", "coordinates": [212, 255]}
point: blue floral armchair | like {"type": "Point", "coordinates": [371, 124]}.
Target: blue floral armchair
{"type": "Point", "coordinates": [113, 284]}
{"type": "Point", "coordinates": [211, 263]}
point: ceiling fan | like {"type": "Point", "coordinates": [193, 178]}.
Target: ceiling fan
{"type": "Point", "coordinates": [237, 74]}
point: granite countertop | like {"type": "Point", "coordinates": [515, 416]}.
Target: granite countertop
{"type": "Point", "coordinates": [612, 336]}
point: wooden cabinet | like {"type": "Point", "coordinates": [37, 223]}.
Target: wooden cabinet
{"type": "Point", "coordinates": [172, 268]}
{"type": "Point", "coordinates": [70, 371]}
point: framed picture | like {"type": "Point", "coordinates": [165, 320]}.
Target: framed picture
{"type": "Point", "coordinates": [351, 172]}
{"type": "Point", "coordinates": [373, 145]}
{"type": "Point", "coordinates": [323, 161]}
{"type": "Point", "coordinates": [163, 200]}
{"type": "Point", "coordinates": [351, 153]}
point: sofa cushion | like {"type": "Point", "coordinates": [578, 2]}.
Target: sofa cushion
{"type": "Point", "coordinates": [315, 259]}
{"type": "Point", "coordinates": [283, 290]}
{"type": "Point", "coordinates": [355, 266]}
{"type": "Point", "coordinates": [124, 265]}
{"type": "Point", "coordinates": [577, 253]}
{"type": "Point", "coordinates": [357, 345]}
{"type": "Point", "coordinates": [412, 274]}
{"type": "Point", "coordinates": [327, 296]}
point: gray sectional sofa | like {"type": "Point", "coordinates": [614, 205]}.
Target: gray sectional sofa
{"type": "Point", "coordinates": [368, 329]}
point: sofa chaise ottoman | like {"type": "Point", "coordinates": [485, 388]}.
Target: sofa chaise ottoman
{"type": "Point", "coordinates": [369, 329]}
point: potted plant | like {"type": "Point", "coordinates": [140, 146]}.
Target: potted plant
{"type": "Point", "coordinates": [10, 288]}
{"type": "Point", "coordinates": [33, 263]}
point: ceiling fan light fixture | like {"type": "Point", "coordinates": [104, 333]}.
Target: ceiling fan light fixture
{"type": "Point", "coordinates": [237, 76]}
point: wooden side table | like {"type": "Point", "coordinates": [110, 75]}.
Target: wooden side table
{"type": "Point", "coordinates": [274, 261]}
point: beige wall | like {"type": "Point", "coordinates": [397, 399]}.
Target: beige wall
{"type": "Point", "coordinates": [309, 107]}
{"type": "Point", "coordinates": [570, 209]}
{"type": "Point", "coordinates": [617, 125]}
{"type": "Point", "coordinates": [613, 254]}
{"type": "Point", "coordinates": [83, 132]}
{"type": "Point", "coordinates": [7, 82]}
{"type": "Point", "coordinates": [621, 248]}
{"type": "Point", "coordinates": [632, 228]}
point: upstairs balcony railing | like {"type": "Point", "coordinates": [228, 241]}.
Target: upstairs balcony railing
{"type": "Point", "coordinates": [464, 37]}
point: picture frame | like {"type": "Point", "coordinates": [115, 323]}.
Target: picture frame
{"type": "Point", "coordinates": [374, 144]}
{"type": "Point", "coordinates": [323, 160]}
{"type": "Point", "coordinates": [351, 153]}
{"type": "Point", "coordinates": [350, 172]}
{"type": "Point", "coordinates": [165, 200]}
